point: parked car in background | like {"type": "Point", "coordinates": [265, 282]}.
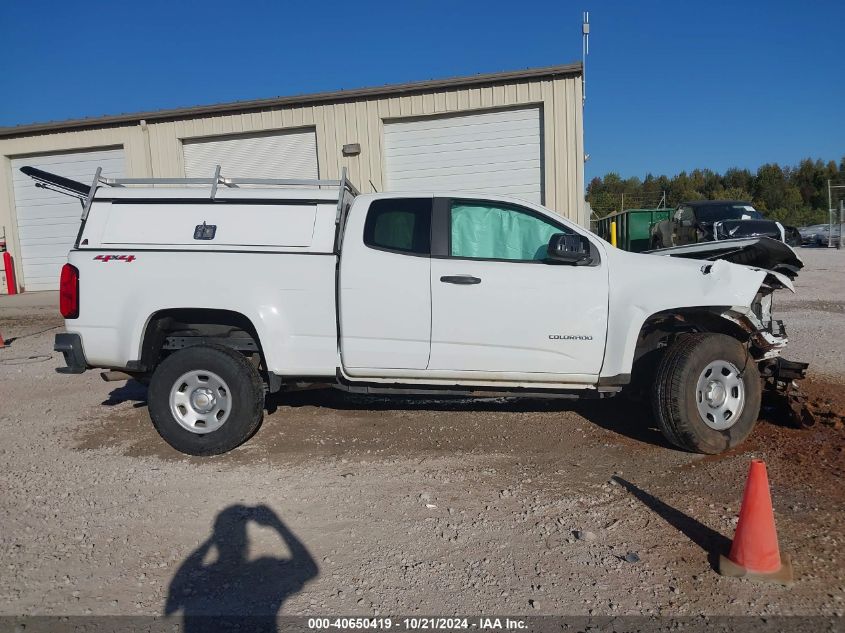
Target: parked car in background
{"type": "Point", "coordinates": [708, 220]}
{"type": "Point", "coordinates": [824, 235]}
{"type": "Point", "coordinates": [809, 234]}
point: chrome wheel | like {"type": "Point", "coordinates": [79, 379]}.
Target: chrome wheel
{"type": "Point", "coordinates": [200, 401]}
{"type": "Point", "coordinates": [720, 395]}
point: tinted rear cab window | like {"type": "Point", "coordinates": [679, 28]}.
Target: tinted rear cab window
{"type": "Point", "coordinates": [402, 225]}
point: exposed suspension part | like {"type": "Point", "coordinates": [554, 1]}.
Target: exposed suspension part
{"type": "Point", "coordinates": [780, 378]}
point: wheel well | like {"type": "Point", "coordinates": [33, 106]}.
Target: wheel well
{"type": "Point", "coordinates": [660, 330]}
{"type": "Point", "coordinates": [177, 328]}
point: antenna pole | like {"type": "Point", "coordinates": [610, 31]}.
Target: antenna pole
{"type": "Point", "coordinates": [585, 50]}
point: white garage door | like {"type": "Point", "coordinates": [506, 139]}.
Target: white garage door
{"type": "Point", "coordinates": [281, 155]}
{"type": "Point", "coordinates": [496, 152]}
{"type": "Point", "coordinates": [48, 221]}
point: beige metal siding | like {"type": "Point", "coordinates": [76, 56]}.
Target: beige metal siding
{"type": "Point", "coordinates": [362, 122]}
{"type": "Point", "coordinates": [156, 149]}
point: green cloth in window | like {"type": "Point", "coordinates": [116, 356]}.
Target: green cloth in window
{"type": "Point", "coordinates": [395, 229]}
{"type": "Point", "coordinates": [488, 232]}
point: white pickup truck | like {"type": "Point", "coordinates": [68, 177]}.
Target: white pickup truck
{"type": "Point", "coordinates": [218, 291]}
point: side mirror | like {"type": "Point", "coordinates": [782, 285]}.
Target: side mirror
{"type": "Point", "coordinates": [686, 223]}
{"type": "Point", "coordinates": [568, 248]}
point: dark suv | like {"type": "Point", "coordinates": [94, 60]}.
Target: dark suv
{"type": "Point", "coordinates": [707, 220]}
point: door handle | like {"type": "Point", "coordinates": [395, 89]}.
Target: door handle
{"type": "Point", "coordinates": [463, 280]}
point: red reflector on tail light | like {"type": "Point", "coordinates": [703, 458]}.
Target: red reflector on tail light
{"type": "Point", "coordinates": [69, 292]}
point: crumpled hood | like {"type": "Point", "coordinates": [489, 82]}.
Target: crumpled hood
{"type": "Point", "coordinates": [762, 253]}
{"type": "Point", "coordinates": [655, 283]}
{"type": "Point", "coordinates": [772, 279]}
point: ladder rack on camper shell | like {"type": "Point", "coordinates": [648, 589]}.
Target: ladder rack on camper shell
{"type": "Point", "coordinates": [86, 194]}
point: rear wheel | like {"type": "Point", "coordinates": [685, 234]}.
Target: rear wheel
{"type": "Point", "coordinates": [707, 393]}
{"type": "Point", "coordinates": [206, 400]}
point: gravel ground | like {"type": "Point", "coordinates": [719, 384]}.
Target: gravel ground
{"type": "Point", "coordinates": [350, 505]}
{"type": "Point", "coordinates": [815, 314]}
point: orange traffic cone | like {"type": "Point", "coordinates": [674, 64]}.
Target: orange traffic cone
{"type": "Point", "coordinates": [755, 552]}
{"type": "Point", "coordinates": [2, 342]}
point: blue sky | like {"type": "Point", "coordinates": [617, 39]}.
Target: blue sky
{"type": "Point", "coordinates": [670, 85]}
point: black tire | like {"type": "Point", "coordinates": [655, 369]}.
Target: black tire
{"type": "Point", "coordinates": [246, 403]}
{"type": "Point", "coordinates": [674, 397]}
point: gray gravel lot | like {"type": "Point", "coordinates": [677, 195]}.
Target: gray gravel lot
{"type": "Point", "coordinates": [815, 314]}
{"type": "Point", "coordinates": [403, 506]}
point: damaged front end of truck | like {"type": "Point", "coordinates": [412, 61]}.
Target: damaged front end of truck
{"type": "Point", "coordinates": [766, 335]}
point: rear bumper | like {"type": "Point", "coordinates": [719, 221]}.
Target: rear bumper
{"type": "Point", "coordinates": [70, 345]}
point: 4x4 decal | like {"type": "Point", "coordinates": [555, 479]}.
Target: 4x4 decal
{"type": "Point", "coordinates": [115, 258]}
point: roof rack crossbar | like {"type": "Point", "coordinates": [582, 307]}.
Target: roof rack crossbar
{"type": "Point", "coordinates": [87, 194]}
{"type": "Point", "coordinates": [230, 182]}
{"type": "Point", "coordinates": [281, 181]}
{"type": "Point", "coordinates": [156, 181]}
{"type": "Point", "coordinates": [215, 181]}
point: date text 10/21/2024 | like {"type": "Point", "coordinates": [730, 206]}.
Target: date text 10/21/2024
{"type": "Point", "coordinates": [418, 623]}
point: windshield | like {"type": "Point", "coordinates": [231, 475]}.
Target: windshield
{"type": "Point", "coordinates": [716, 212]}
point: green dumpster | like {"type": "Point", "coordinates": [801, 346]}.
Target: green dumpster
{"type": "Point", "coordinates": [633, 227]}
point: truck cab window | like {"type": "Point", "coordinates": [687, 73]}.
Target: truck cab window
{"type": "Point", "coordinates": [400, 224]}
{"type": "Point", "coordinates": [486, 230]}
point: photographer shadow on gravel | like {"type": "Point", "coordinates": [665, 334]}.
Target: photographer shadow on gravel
{"type": "Point", "coordinates": [233, 592]}
{"type": "Point", "coordinates": [131, 391]}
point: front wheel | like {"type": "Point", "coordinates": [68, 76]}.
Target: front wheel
{"type": "Point", "coordinates": [206, 400]}
{"type": "Point", "coordinates": [707, 393]}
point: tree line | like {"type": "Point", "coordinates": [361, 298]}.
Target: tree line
{"type": "Point", "coordinates": [795, 195]}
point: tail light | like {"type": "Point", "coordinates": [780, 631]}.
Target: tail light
{"type": "Point", "coordinates": [69, 292]}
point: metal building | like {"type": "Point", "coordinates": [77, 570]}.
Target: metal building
{"type": "Point", "coordinates": [519, 133]}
